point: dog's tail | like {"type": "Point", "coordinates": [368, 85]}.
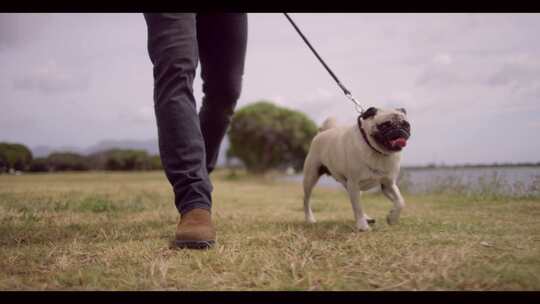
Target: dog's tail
{"type": "Point", "coordinates": [329, 123]}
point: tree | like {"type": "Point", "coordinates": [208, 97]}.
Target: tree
{"type": "Point", "coordinates": [39, 164]}
{"type": "Point", "coordinates": [265, 136]}
{"type": "Point", "coordinates": [122, 160]}
{"type": "Point", "coordinates": [154, 162]}
{"type": "Point", "coordinates": [14, 156]}
{"type": "Point", "coordinates": [67, 161]}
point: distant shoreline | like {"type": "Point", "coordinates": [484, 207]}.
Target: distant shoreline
{"type": "Point", "coordinates": [471, 166]}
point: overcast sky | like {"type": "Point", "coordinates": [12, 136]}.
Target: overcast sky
{"type": "Point", "coordinates": [470, 82]}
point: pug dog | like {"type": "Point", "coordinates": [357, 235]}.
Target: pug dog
{"type": "Point", "coordinates": [360, 157]}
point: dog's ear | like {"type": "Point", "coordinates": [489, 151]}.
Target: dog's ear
{"type": "Point", "coordinates": [402, 110]}
{"type": "Point", "coordinates": [369, 113]}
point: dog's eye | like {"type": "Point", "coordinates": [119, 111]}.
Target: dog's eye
{"type": "Point", "coordinates": [405, 124]}
{"type": "Point", "coordinates": [385, 125]}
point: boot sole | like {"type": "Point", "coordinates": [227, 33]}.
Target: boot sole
{"type": "Point", "coordinates": [194, 244]}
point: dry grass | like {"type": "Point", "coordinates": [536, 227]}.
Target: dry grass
{"type": "Point", "coordinates": [112, 231]}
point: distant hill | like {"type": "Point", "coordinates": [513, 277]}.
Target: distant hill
{"type": "Point", "coordinates": [43, 151]}
{"type": "Point", "coordinates": [150, 145]}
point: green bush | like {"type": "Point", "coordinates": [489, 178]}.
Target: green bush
{"type": "Point", "coordinates": [14, 156]}
{"type": "Point", "coordinates": [264, 136]}
{"type": "Point", "coordinates": [67, 161]}
{"type": "Point", "coordinates": [124, 160]}
{"type": "Point", "coordinates": [154, 162]}
{"type": "Point", "coordinates": [39, 164]}
{"type": "Point", "coordinates": [19, 157]}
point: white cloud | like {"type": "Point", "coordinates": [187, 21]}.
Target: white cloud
{"type": "Point", "coordinates": [144, 114]}
{"type": "Point", "coordinates": [401, 99]}
{"type": "Point", "coordinates": [516, 74]}
{"type": "Point", "coordinates": [20, 30]}
{"type": "Point", "coordinates": [534, 124]}
{"type": "Point", "coordinates": [443, 59]}
{"type": "Point", "coordinates": [438, 75]}
{"type": "Point", "coordinates": [50, 78]}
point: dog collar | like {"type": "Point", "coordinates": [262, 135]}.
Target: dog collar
{"type": "Point", "coordinates": [365, 136]}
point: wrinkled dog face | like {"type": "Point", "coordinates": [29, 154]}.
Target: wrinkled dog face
{"type": "Point", "coordinates": [388, 127]}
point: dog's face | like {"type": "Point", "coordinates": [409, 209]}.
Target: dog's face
{"type": "Point", "coordinates": [388, 127]}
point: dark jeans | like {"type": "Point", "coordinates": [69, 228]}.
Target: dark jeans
{"type": "Point", "coordinates": [189, 142]}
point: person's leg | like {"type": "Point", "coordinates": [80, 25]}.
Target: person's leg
{"type": "Point", "coordinates": [222, 39]}
{"type": "Point", "coordinates": [172, 46]}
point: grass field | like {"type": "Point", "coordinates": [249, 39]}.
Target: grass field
{"type": "Point", "coordinates": [113, 231]}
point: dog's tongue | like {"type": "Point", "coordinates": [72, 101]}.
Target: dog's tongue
{"type": "Point", "coordinates": [400, 142]}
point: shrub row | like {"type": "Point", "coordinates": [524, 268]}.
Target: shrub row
{"type": "Point", "coordinates": [18, 157]}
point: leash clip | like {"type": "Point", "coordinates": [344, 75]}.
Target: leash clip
{"type": "Point", "coordinates": [358, 107]}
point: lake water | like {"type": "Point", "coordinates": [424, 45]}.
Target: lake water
{"type": "Point", "coordinates": [508, 180]}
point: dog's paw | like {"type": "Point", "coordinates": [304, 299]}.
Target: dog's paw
{"type": "Point", "coordinates": [362, 226]}
{"type": "Point", "coordinates": [311, 220]}
{"type": "Point", "coordinates": [363, 229]}
{"type": "Point", "coordinates": [392, 219]}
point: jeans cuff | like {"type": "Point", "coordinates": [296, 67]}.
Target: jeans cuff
{"type": "Point", "coordinates": [185, 208]}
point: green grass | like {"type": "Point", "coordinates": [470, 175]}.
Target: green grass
{"type": "Point", "coordinates": [113, 231]}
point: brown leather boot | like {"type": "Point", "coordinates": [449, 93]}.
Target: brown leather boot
{"type": "Point", "coordinates": [195, 230]}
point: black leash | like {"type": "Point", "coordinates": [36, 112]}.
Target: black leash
{"type": "Point", "coordinates": [347, 93]}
